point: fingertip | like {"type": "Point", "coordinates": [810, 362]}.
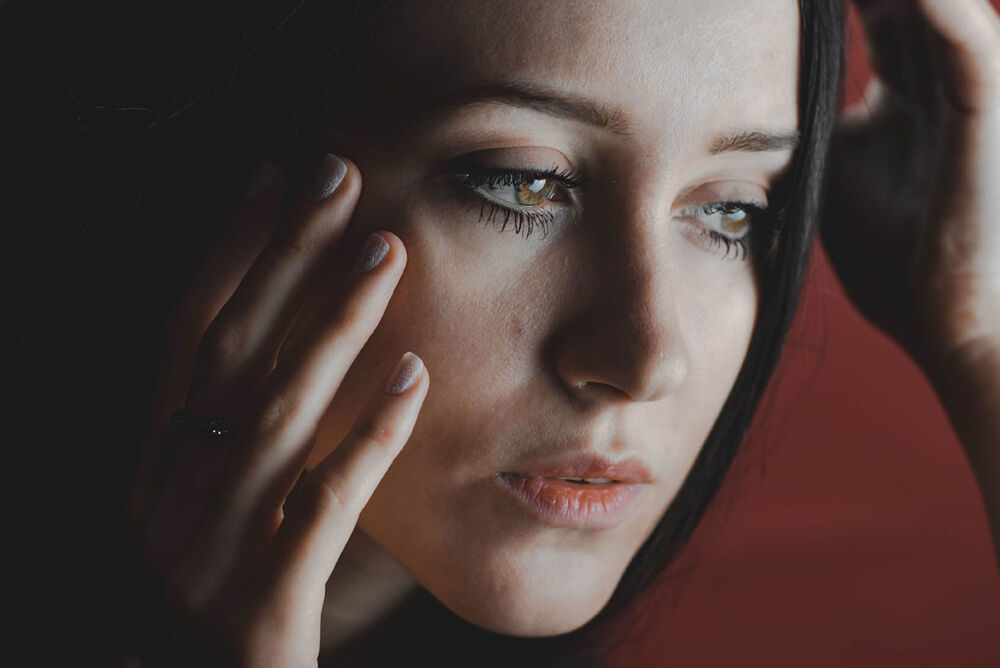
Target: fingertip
{"type": "Point", "coordinates": [405, 375]}
{"type": "Point", "coordinates": [352, 177]}
{"type": "Point", "coordinates": [396, 245]}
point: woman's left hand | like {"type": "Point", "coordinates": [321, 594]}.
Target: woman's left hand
{"type": "Point", "coordinates": [912, 217]}
{"type": "Point", "coordinates": [912, 224]}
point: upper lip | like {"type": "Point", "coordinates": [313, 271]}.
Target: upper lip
{"type": "Point", "coordinates": [587, 465]}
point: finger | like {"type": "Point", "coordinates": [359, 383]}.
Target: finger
{"type": "Point", "coordinates": [213, 283]}
{"type": "Point", "coordinates": [298, 392]}
{"type": "Point", "coordinates": [924, 49]}
{"type": "Point", "coordinates": [971, 30]}
{"type": "Point", "coordinates": [321, 514]}
{"type": "Point", "coordinates": [240, 346]}
{"type": "Point", "coordinates": [288, 411]}
{"type": "Point", "coordinates": [898, 49]}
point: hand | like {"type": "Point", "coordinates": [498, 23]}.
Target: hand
{"type": "Point", "coordinates": [911, 225]}
{"type": "Point", "coordinates": [241, 558]}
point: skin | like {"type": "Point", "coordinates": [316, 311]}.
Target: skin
{"type": "Point", "coordinates": [627, 303]}
{"type": "Point", "coordinates": [926, 271]}
{"type": "Point", "coordinates": [621, 334]}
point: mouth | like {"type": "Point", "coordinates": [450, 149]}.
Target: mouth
{"type": "Point", "coordinates": [585, 481]}
{"type": "Point", "coordinates": [566, 502]}
{"type": "Point", "coordinates": [588, 469]}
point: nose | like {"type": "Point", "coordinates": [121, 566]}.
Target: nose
{"type": "Point", "coordinates": [625, 340]}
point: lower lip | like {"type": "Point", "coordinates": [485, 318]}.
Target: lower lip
{"type": "Point", "coordinates": [569, 505]}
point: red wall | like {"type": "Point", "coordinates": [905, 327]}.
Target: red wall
{"type": "Point", "coordinates": [851, 533]}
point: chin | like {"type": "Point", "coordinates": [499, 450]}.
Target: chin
{"type": "Point", "coordinates": [525, 602]}
{"type": "Point", "coordinates": [498, 572]}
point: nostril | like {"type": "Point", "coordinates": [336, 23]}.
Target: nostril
{"type": "Point", "coordinates": [604, 389]}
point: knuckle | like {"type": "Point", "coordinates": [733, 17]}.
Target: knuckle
{"type": "Point", "coordinates": [296, 245]}
{"type": "Point", "coordinates": [223, 341]}
{"type": "Point", "coordinates": [183, 596]}
{"type": "Point", "coordinates": [350, 322]}
{"type": "Point", "coordinates": [276, 412]}
{"type": "Point", "coordinates": [318, 499]}
{"type": "Point", "coordinates": [375, 431]}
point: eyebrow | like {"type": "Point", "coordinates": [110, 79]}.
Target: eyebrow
{"type": "Point", "coordinates": [756, 141]}
{"type": "Point", "coordinates": [583, 110]}
{"type": "Point", "coordinates": [532, 96]}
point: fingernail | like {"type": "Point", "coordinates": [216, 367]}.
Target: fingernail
{"type": "Point", "coordinates": [261, 178]}
{"type": "Point", "coordinates": [407, 371]}
{"type": "Point", "coordinates": [329, 175]}
{"type": "Point", "coordinates": [372, 254]}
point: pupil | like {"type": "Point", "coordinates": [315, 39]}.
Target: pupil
{"type": "Point", "coordinates": [535, 192]}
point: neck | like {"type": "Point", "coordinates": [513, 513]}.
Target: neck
{"type": "Point", "coordinates": [365, 588]}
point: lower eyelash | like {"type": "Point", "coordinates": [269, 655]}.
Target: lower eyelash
{"type": "Point", "coordinates": [717, 239]}
{"type": "Point", "coordinates": [543, 218]}
{"type": "Point", "coordinates": [522, 220]}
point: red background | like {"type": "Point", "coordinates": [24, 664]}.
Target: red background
{"type": "Point", "coordinates": [851, 532]}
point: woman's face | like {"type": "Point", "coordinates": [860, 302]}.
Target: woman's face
{"type": "Point", "coordinates": [619, 332]}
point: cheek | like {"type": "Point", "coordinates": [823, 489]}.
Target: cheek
{"type": "Point", "coordinates": [716, 322]}
{"type": "Point", "coordinates": [716, 300]}
{"type": "Point", "coordinates": [722, 324]}
{"type": "Point", "coordinates": [449, 308]}
{"type": "Point", "coordinates": [476, 306]}
{"type": "Point", "coordinates": [719, 318]}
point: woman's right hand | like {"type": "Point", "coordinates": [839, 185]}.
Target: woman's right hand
{"type": "Point", "coordinates": [241, 561]}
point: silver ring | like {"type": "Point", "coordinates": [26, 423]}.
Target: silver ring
{"type": "Point", "coordinates": [212, 429]}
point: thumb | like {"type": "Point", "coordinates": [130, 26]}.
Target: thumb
{"type": "Point", "coordinates": [969, 32]}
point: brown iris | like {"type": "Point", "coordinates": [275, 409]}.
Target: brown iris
{"type": "Point", "coordinates": [734, 220]}
{"type": "Point", "coordinates": [535, 192]}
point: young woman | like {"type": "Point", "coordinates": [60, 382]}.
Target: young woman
{"type": "Point", "coordinates": [588, 221]}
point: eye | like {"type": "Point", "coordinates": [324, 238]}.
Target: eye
{"type": "Point", "coordinates": [535, 192]}
{"type": "Point", "coordinates": [518, 188]}
{"type": "Point", "coordinates": [730, 218]}
{"type": "Point", "coordinates": [727, 224]}
{"type": "Point", "coordinates": [519, 195]}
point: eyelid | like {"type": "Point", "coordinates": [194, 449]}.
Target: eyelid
{"type": "Point", "coordinates": [567, 182]}
{"type": "Point", "coordinates": [470, 179]}
{"type": "Point", "coordinates": [750, 210]}
{"type": "Point", "coordinates": [467, 184]}
{"type": "Point", "coordinates": [512, 158]}
{"type": "Point", "coordinates": [739, 192]}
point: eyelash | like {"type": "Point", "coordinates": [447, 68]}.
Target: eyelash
{"type": "Point", "coordinates": [717, 239]}
{"type": "Point", "coordinates": [493, 177]}
{"type": "Point", "coordinates": [470, 180]}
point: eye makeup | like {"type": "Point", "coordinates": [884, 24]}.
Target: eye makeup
{"type": "Point", "coordinates": [519, 196]}
{"type": "Point", "coordinates": [728, 224]}
{"type": "Point", "coordinates": [531, 197]}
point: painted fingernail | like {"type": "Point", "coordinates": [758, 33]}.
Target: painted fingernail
{"type": "Point", "coordinates": [261, 178]}
{"type": "Point", "coordinates": [329, 175]}
{"type": "Point", "coordinates": [407, 371]}
{"type": "Point", "coordinates": [372, 253]}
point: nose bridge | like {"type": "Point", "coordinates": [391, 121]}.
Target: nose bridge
{"type": "Point", "coordinates": [643, 299]}
{"type": "Point", "coordinates": [630, 337]}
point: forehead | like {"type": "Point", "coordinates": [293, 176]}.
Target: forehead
{"type": "Point", "coordinates": [675, 68]}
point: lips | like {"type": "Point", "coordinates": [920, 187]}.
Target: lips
{"type": "Point", "coordinates": [588, 466]}
{"type": "Point", "coordinates": [542, 491]}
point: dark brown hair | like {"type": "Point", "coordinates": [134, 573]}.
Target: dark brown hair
{"type": "Point", "coordinates": [161, 111]}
